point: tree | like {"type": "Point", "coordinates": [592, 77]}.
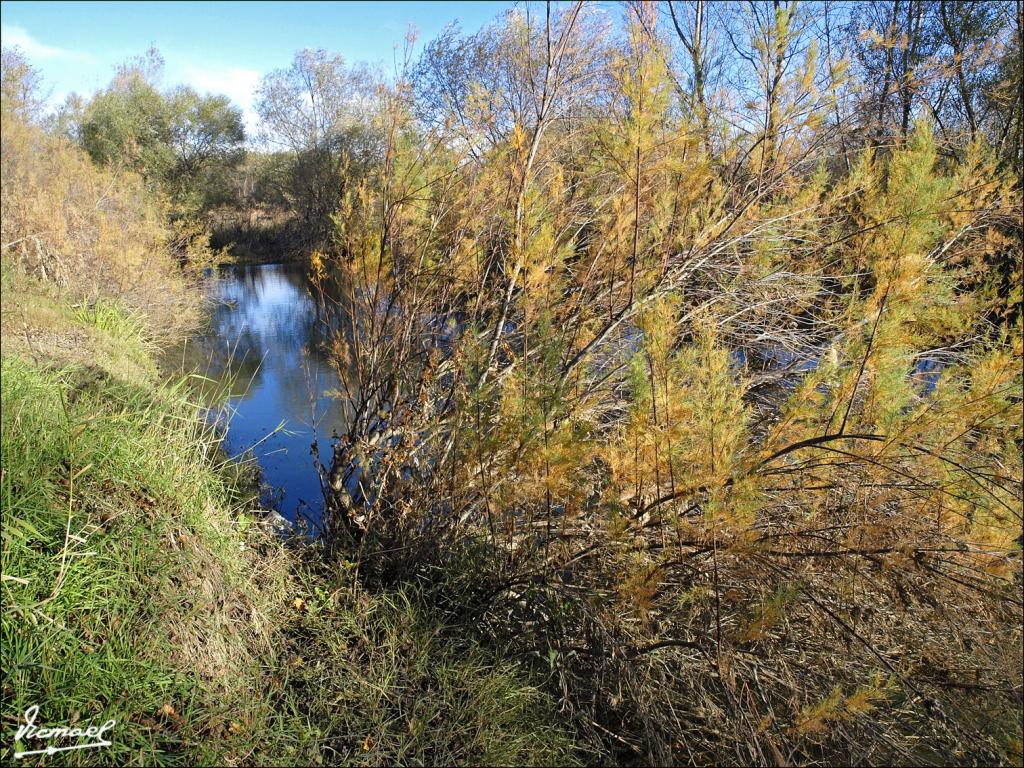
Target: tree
{"type": "Point", "coordinates": [21, 92]}
{"type": "Point", "coordinates": [304, 106]}
{"type": "Point", "coordinates": [784, 104]}
{"type": "Point", "coordinates": [956, 61]}
{"type": "Point", "coordinates": [320, 111]}
{"type": "Point", "coordinates": [206, 136]}
{"type": "Point", "coordinates": [178, 140]}
{"type": "Point", "coordinates": [696, 26]}
{"type": "Point", "coordinates": [129, 124]}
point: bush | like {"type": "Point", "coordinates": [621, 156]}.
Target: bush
{"type": "Point", "coordinates": [92, 231]}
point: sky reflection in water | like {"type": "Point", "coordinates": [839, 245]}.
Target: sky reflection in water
{"type": "Point", "coordinates": [264, 331]}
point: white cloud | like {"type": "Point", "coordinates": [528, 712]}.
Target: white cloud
{"type": "Point", "coordinates": [15, 36]}
{"type": "Point", "coordinates": [237, 83]}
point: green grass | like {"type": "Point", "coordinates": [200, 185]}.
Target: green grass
{"type": "Point", "coordinates": [123, 327]}
{"type": "Point", "coordinates": [135, 587]}
{"type": "Point", "coordinates": [384, 683]}
{"type": "Point", "coordinates": [126, 586]}
{"type": "Point", "coordinates": [39, 323]}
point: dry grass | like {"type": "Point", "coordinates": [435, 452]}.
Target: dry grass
{"type": "Point", "coordinates": [38, 322]}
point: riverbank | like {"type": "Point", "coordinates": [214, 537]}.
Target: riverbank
{"type": "Point", "coordinates": [258, 237]}
{"type": "Point", "coordinates": [138, 587]}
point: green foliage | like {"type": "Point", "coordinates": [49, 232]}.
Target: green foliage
{"type": "Point", "coordinates": [182, 143]}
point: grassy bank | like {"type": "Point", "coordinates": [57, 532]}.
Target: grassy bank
{"type": "Point", "coordinates": [137, 587]}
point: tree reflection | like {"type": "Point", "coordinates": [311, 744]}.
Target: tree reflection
{"type": "Point", "coordinates": [265, 349]}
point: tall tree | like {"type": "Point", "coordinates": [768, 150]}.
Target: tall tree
{"type": "Point", "coordinates": [320, 111]}
{"type": "Point", "coordinates": [176, 140]}
{"type": "Point", "coordinates": [21, 89]}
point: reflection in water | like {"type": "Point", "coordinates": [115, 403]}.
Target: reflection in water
{"type": "Point", "coordinates": [265, 338]}
{"type": "Point", "coordinates": [265, 341]}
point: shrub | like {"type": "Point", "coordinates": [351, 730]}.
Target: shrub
{"type": "Point", "coordinates": [92, 231]}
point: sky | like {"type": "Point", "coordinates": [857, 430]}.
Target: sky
{"type": "Point", "coordinates": [217, 47]}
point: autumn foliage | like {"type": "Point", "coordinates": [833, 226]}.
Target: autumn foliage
{"type": "Point", "coordinates": [722, 400]}
{"type": "Point", "coordinates": [94, 232]}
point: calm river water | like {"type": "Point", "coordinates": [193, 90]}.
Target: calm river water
{"type": "Point", "coordinates": [264, 337]}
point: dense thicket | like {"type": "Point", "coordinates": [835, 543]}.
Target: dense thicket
{"type": "Point", "coordinates": [682, 349]}
{"type": "Point", "coordinates": [93, 230]}
{"type": "Point", "coordinates": [698, 332]}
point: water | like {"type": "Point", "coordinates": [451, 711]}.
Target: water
{"type": "Point", "coordinates": [265, 336]}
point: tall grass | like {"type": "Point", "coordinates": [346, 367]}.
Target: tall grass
{"type": "Point", "coordinates": [384, 681]}
{"type": "Point", "coordinates": [127, 594]}
{"type": "Point", "coordinates": [136, 587]}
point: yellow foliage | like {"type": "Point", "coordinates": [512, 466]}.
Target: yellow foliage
{"type": "Point", "coordinates": [90, 230]}
{"type": "Point", "coordinates": [815, 719]}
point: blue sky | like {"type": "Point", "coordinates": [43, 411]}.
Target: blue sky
{"type": "Point", "coordinates": [221, 47]}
